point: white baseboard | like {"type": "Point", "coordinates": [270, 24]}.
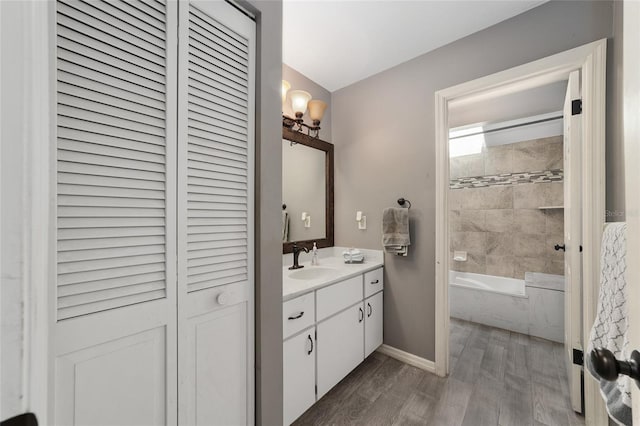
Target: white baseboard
{"type": "Point", "coordinates": [408, 358]}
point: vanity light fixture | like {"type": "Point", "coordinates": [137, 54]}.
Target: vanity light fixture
{"type": "Point", "coordinates": [300, 101]}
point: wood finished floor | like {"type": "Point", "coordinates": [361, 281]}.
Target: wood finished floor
{"type": "Point", "coordinates": [497, 378]}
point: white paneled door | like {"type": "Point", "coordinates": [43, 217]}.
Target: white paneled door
{"type": "Point", "coordinates": [215, 219]}
{"type": "Point", "coordinates": [573, 240]}
{"type": "Point", "coordinates": [154, 222]}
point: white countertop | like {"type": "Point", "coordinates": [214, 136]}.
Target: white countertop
{"type": "Point", "coordinates": [340, 271]}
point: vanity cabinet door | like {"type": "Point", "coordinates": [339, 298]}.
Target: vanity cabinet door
{"type": "Point", "coordinates": [299, 362]}
{"type": "Point", "coordinates": [373, 323]}
{"type": "Point", "coordinates": [340, 346]}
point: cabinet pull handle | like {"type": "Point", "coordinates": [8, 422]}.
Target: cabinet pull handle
{"type": "Point", "coordinates": [375, 282]}
{"type": "Point", "coordinates": [295, 317]}
{"type": "Point", "coordinates": [311, 340]}
{"type": "Point", "coordinates": [361, 318]}
{"type": "Point", "coordinates": [370, 309]}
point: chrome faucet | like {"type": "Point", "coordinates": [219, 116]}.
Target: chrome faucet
{"type": "Point", "coordinates": [296, 254]}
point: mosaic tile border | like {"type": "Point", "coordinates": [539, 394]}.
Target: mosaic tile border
{"type": "Point", "coordinates": [507, 179]}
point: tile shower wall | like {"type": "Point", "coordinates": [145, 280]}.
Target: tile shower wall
{"type": "Point", "coordinates": [500, 224]}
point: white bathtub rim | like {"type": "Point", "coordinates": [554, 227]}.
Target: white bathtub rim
{"type": "Point", "coordinates": [470, 275]}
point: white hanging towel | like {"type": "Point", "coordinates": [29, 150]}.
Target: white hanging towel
{"type": "Point", "coordinates": [610, 327]}
{"type": "Point", "coordinates": [285, 226]}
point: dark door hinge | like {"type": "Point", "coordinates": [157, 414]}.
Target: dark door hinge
{"type": "Point", "coordinates": [576, 107]}
{"type": "Point", "coordinates": [578, 357]}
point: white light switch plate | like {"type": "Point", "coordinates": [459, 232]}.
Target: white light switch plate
{"type": "Point", "coordinates": [362, 224]}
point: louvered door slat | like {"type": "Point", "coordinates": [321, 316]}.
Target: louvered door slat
{"type": "Point", "coordinates": [110, 182]}
{"type": "Point", "coordinates": [99, 80]}
{"type": "Point", "coordinates": [99, 243]}
{"type": "Point", "coordinates": [109, 151]}
{"type": "Point", "coordinates": [199, 34]}
{"type": "Point", "coordinates": [106, 140]}
{"type": "Point", "coordinates": [202, 81]}
{"type": "Point", "coordinates": [123, 99]}
{"type": "Point", "coordinates": [221, 120]}
{"type": "Point", "coordinates": [223, 55]}
{"type": "Point", "coordinates": [204, 124]}
{"type": "Point", "coordinates": [201, 135]}
{"type": "Point", "coordinates": [77, 235]}
{"type": "Point", "coordinates": [99, 285]}
{"type": "Point", "coordinates": [111, 155]}
{"type": "Point", "coordinates": [86, 277]}
{"type": "Point", "coordinates": [223, 35]}
{"type": "Point", "coordinates": [158, 18]}
{"type": "Point", "coordinates": [123, 31]}
{"type": "Point", "coordinates": [107, 130]}
{"type": "Point", "coordinates": [111, 120]}
{"type": "Point", "coordinates": [104, 159]}
{"type": "Point", "coordinates": [106, 294]}
{"type": "Point", "coordinates": [139, 64]}
{"type": "Point", "coordinates": [198, 144]}
{"type": "Point", "coordinates": [109, 171]}
{"type": "Point", "coordinates": [111, 110]}
{"type": "Point", "coordinates": [105, 305]}
{"type": "Point", "coordinates": [222, 160]}
{"type": "Point", "coordinates": [204, 106]}
{"type": "Point", "coordinates": [86, 60]}
{"type": "Point", "coordinates": [110, 15]}
{"type": "Point", "coordinates": [64, 189]}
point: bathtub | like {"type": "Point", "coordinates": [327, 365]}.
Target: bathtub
{"type": "Point", "coordinates": [532, 306]}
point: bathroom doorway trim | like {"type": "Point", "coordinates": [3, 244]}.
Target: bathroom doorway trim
{"type": "Point", "coordinates": [590, 60]}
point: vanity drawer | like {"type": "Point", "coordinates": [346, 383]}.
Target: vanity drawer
{"type": "Point", "coordinates": [338, 296]}
{"type": "Point", "coordinates": [298, 314]}
{"type": "Point", "coordinates": [373, 282]}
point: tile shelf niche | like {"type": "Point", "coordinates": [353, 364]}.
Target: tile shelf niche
{"type": "Point", "coordinates": [550, 207]}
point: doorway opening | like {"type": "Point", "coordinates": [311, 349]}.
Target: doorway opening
{"type": "Point", "coordinates": [553, 204]}
{"type": "Point", "coordinates": [507, 254]}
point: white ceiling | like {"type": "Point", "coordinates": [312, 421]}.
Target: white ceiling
{"type": "Point", "coordinates": [337, 43]}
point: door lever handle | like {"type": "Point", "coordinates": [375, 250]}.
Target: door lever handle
{"type": "Point", "coordinates": [559, 247]}
{"type": "Point", "coordinates": [609, 368]}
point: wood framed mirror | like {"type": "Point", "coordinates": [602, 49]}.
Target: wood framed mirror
{"type": "Point", "coordinates": [307, 191]}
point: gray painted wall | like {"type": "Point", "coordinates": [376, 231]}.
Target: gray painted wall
{"type": "Point", "coordinates": [384, 136]}
{"type": "Point", "coordinates": [268, 296]}
{"type": "Point", "coordinates": [300, 82]}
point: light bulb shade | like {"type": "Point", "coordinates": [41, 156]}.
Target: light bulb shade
{"type": "Point", "coordinates": [285, 88]}
{"type": "Point", "coordinates": [316, 110]}
{"type": "Point", "coordinates": [299, 101]}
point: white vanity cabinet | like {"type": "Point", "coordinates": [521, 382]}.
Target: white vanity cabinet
{"type": "Point", "coordinates": [299, 381]}
{"type": "Point", "coordinates": [340, 348]}
{"type": "Point", "coordinates": [341, 326]}
{"type": "Point", "coordinates": [372, 323]}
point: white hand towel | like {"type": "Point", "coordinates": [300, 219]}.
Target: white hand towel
{"type": "Point", "coordinates": [610, 327]}
{"type": "Point", "coordinates": [285, 226]}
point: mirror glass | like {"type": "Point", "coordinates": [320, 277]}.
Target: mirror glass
{"type": "Point", "coordinates": [303, 192]}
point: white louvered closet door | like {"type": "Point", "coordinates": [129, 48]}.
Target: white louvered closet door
{"type": "Point", "coordinates": [114, 331]}
{"type": "Point", "coordinates": [215, 215]}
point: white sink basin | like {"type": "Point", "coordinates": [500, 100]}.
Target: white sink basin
{"type": "Point", "coordinates": [311, 273]}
